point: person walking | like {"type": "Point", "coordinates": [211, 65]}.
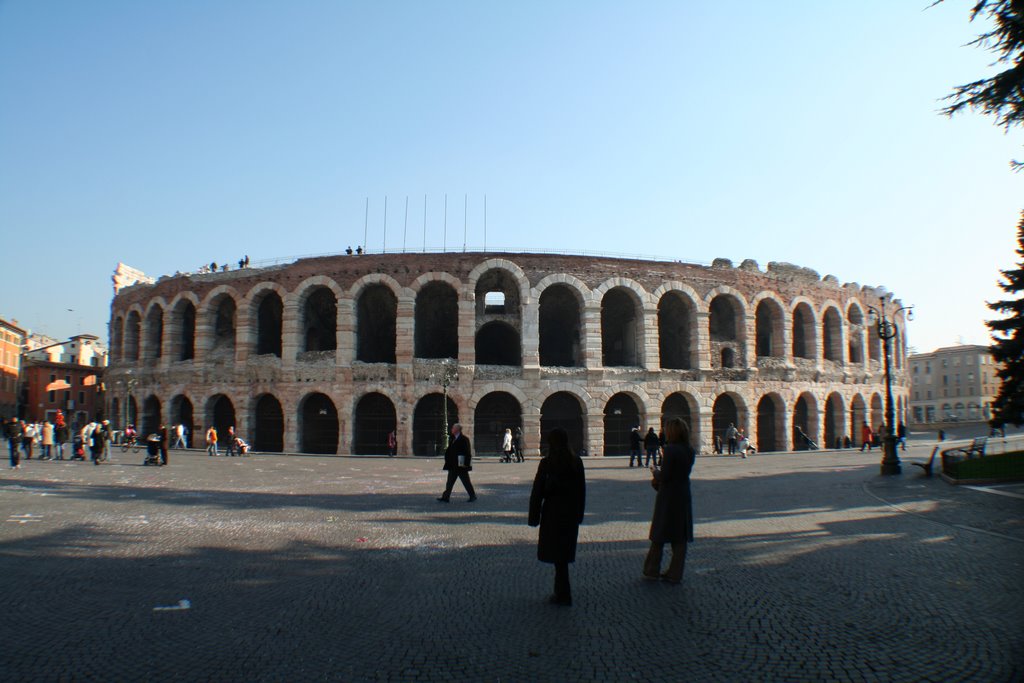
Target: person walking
{"type": "Point", "coordinates": [866, 437]}
{"type": "Point", "coordinates": [231, 451]}
{"type": "Point", "coordinates": [672, 521]}
{"type": "Point", "coordinates": [211, 441]}
{"type": "Point", "coordinates": [634, 447]}
{"type": "Point", "coordinates": [28, 438]}
{"type": "Point", "coordinates": [60, 436]}
{"type": "Point", "coordinates": [47, 441]}
{"type": "Point", "coordinates": [651, 446]}
{"type": "Point", "coordinates": [517, 444]}
{"type": "Point", "coordinates": [392, 443]}
{"type": "Point", "coordinates": [100, 436]}
{"type": "Point", "coordinates": [13, 432]}
{"type": "Point", "coordinates": [506, 446]}
{"type": "Point", "coordinates": [165, 440]}
{"type": "Point", "coordinates": [731, 435]}
{"type": "Point", "coordinates": [458, 463]}
{"type": "Point", "coordinates": [557, 503]}
{"type": "Point", "coordinates": [901, 436]}
{"type": "Point", "coordinates": [179, 436]}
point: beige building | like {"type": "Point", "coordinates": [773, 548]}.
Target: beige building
{"type": "Point", "coordinates": [82, 349]}
{"type": "Point", "coordinates": [952, 384]}
{"type": "Point", "coordinates": [12, 338]}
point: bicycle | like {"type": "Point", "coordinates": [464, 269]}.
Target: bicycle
{"type": "Point", "coordinates": [132, 444]}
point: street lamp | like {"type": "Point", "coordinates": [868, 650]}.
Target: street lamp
{"type": "Point", "coordinates": [887, 331]}
{"type": "Point", "coordinates": [449, 372]}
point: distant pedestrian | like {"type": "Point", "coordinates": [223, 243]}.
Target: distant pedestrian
{"type": "Point", "coordinates": [165, 441]}
{"type": "Point", "coordinates": [731, 434]}
{"type": "Point", "coordinates": [232, 450]}
{"type": "Point", "coordinates": [13, 432]}
{"type": "Point", "coordinates": [60, 436]}
{"type": "Point", "coordinates": [557, 503]}
{"type": "Point", "coordinates": [458, 461]}
{"type": "Point", "coordinates": [46, 441]}
{"type": "Point", "coordinates": [866, 437]}
{"type": "Point", "coordinates": [672, 521]}
{"type": "Point", "coordinates": [392, 443]}
{"type": "Point", "coordinates": [651, 446]}
{"type": "Point", "coordinates": [506, 446]}
{"type": "Point", "coordinates": [634, 447]}
{"type": "Point", "coordinates": [179, 436]}
{"type": "Point", "coordinates": [211, 441]}
{"type": "Point", "coordinates": [517, 444]}
{"type": "Point", "coordinates": [28, 438]}
{"type": "Point", "coordinates": [100, 436]}
{"type": "Point", "coordinates": [901, 435]}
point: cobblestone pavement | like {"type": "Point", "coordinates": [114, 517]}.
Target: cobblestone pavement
{"type": "Point", "coordinates": [806, 567]}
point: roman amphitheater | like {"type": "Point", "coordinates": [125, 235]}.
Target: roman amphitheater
{"type": "Point", "coordinates": [330, 354]}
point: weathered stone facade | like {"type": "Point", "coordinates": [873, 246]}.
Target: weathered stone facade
{"type": "Point", "coordinates": [330, 354]}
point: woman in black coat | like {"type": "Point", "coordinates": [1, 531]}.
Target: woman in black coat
{"type": "Point", "coordinates": [673, 508]}
{"type": "Point", "coordinates": [557, 503]}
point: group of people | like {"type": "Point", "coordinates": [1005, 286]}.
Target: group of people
{"type": "Point", "coordinates": [512, 446]}
{"type": "Point", "coordinates": [223, 267]}
{"type": "Point", "coordinates": [235, 445]}
{"type": "Point", "coordinates": [651, 444]}
{"type": "Point", "coordinates": [558, 502]}
{"type": "Point", "coordinates": [56, 439]}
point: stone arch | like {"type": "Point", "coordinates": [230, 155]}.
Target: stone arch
{"type": "Point", "coordinates": [771, 423]}
{"type": "Point", "coordinates": [877, 412]}
{"type": "Point", "coordinates": [728, 408]}
{"type": "Point", "coordinates": [677, 329]}
{"type": "Point", "coordinates": [832, 333]}
{"type": "Point", "coordinates": [268, 425]}
{"type": "Point", "coordinates": [318, 319]}
{"type": "Point", "coordinates": [769, 326]}
{"type": "Point", "coordinates": [264, 305]}
{"type": "Point", "coordinates": [858, 416]}
{"type": "Point", "coordinates": [152, 416]}
{"type": "Point", "coordinates": [117, 338]}
{"type": "Point", "coordinates": [622, 326]}
{"type": "Point", "coordinates": [220, 413]}
{"type": "Point", "coordinates": [855, 321]}
{"type": "Point", "coordinates": [153, 335]}
{"type": "Point", "coordinates": [436, 320]}
{"type": "Point", "coordinates": [318, 425]}
{"type": "Point", "coordinates": [683, 405]}
{"type": "Point", "coordinates": [182, 326]}
{"type": "Point", "coordinates": [726, 326]}
{"type": "Point", "coordinates": [220, 309]}
{"type": "Point", "coordinates": [622, 413]}
{"type": "Point", "coordinates": [560, 323]}
{"type": "Point", "coordinates": [374, 417]}
{"type": "Point", "coordinates": [132, 334]}
{"type": "Point", "coordinates": [499, 275]}
{"type": "Point", "coordinates": [804, 329]}
{"type": "Point", "coordinates": [429, 427]}
{"type": "Point", "coordinates": [874, 344]}
{"type": "Point", "coordinates": [493, 414]}
{"type": "Point", "coordinates": [182, 412]}
{"type": "Point", "coordinates": [131, 411]}
{"type": "Point", "coordinates": [566, 410]}
{"type": "Point", "coordinates": [498, 343]}
{"type": "Point", "coordinates": [376, 305]}
{"type": "Point", "coordinates": [835, 421]}
{"type": "Point", "coordinates": [805, 420]}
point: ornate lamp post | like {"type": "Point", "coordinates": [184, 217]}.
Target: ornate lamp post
{"type": "Point", "coordinates": [449, 373]}
{"type": "Point", "coordinates": [887, 331]}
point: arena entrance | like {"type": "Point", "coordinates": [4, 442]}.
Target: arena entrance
{"type": "Point", "coordinates": [374, 419]}
{"type": "Point", "coordinates": [268, 429]}
{"type": "Point", "coordinates": [621, 415]}
{"type": "Point", "coordinates": [428, 427]}
{"type": "Point", "coordinates": [318, 425]}
{"type": "Point", "coordinates": [496, 412]}
{"type": "Point", "coordinates": [150, 416]}
{"type": "Point", "coordinates": [221, 414]}
{"type": "Point", "coordinates": [771, 429]}
{"type": "Point", "coordinates": [564, 410]}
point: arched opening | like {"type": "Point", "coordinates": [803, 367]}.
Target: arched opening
{"type": "Point", "coordinates": [803, 331]}
{"type": "Point", "coordinates": [877, 413]}
{"type": "Point", "coordinates": [269, 325]}
{"type": "Point", "coordinates": [375, 418]}
{"type": "Point", "coordinates": [182, 414]}
{"type": "Point", "coordinates": [621, 416]}
{"type": "Point", "coordinates": [131, 412]}
{"type": "Point", "coordinates": [268, 429]}
{"type": "Point", "coordinates": [150, 416]}
{"type": "Point", "coordinates": [769, 329]}
{"type": "Point", "coordinates": [376, 316]}
{"type": "Point", "coordinates": [497, 343]}
{"type": "Point", "coordinates": [320, 325]}
{"type": "Point", "coordinates": [132, 332]}
{"type": "Point", "coordinates": [832, 335]}
{"type": "Point", "coordinates": [115, 413]}
{"type": "Point", "coordinates": [722, 318]}
{"type": "Point", "coordinates": [805, 419]}
{"type": "Point", "coordinates": [318, 425]}
{"type": "Point", "coordinates": [559, 319]}
{"type": "Point", "coordinates": [220, 412]}
{"type": "Point", "coordinates": [874, 344]}
{"type": "Point", "coordinates": [726, 411]}
{"type": "Point", "coordinates": [834, 421]}
{"type": "Point", "coordinates": [117, 339]}
{"type": "Point", "coordinates": [429, 429]}
{"type": "Point", "coordinates": [621, 328]}
{"type": "Point", "coordinates": [771, 424]}
{"type": "Point", "coordinates": [155, 332]}
{"type": "Point", "coordinates": [728, 358]}
{"type": "Point", "coordinates": [497, 293]}
{"type": "Point", "coordinates": [496, 412]}
{"type": "Point", "coordinates": [677, 325]}
{"type": "Point", "coordinates": [858, 416]}
{"type": "Point", "coordinates": [437, 321]}
{"type": "Point", "coordinates": [563, 410]}
{"type": "Point", "coordinates": [224, 310]}
{"type": "Point", "coordinates": [684, 407]}
{"type": "Point", "coordinates": [186, 338]}
{"type": "Point", "coordinates": [855, 317]}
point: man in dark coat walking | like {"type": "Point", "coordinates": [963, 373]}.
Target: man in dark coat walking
{"type": "Point", "coordinates": [458, 462]}
{"type": "Point", "coordinates": [557, 502]}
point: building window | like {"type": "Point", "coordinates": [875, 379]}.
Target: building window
{"type": "Point", "coordinates": [53, 378]}
{"type": "Point", "coordinates": [958, 378]}
{"type": "Point", "coordinates": [917, 395]}
{"type": "Point", "coordinates": [53, 396]}
{"type": "Point", "coordinates": [81, 398]}
{"type": "Point", "coordinates": [929, 395]}
{"type": "Point", "coordinates": [945, 380]}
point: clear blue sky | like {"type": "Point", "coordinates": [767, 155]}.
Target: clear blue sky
{"type": "Point", "coordinates": [168, 134]}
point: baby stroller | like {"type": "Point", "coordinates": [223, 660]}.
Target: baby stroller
{"type": "Point", "coordinates": [152, 450]}
{"type": "Point", "coordinates": [241, 446]}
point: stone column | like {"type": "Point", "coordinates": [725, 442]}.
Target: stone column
{"type": "Point", "coordinates": [749, 341]}
{"type": "Point", "coordinates": [650, 350]}
{"type": "Point", "coordinates": [706, 442]}
{"type": "Point", "coordinates": [404, 328]}
{"type": "Point", "coordinates": [530, 338]}
{"type": "Point", "coordinates": [590, 337]}
{"type": "Point", "coordinates": [291, 335]}
{"type": "Point", "coordinates": [703, 341]}
{"type": "Point", "coordinates": [245, 338]}
{"type": "Point", "coordinates": [345, 333]}
{"type": "Point", "coordinates": [531, 432]}
{"type": "Point", "coordinates": [593, 437]}
{"type": "Point", "coordinates": [467, 329]}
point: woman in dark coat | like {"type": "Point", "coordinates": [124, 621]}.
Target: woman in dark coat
{"type": "Point", "coordinates": [673, 508]}
{"type": "Point", "coordinates": [557, 503]}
